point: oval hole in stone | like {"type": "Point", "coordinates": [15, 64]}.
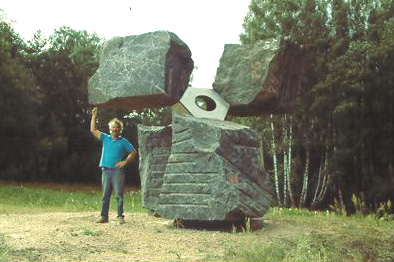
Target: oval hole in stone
{"type": "Point", "coordinates": [205, 103]}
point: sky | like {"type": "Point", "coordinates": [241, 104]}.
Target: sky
{"type": "Point", "coordinates": [204, 25]}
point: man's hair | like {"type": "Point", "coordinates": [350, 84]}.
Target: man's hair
{"type": "Point", "coordinates": [116, 121]}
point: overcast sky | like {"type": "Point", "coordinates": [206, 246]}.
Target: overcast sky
{"type": "Point", "coordinates": [204, 25]}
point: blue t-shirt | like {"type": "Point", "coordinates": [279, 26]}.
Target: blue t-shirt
{"type": "Point", "coordinates": [113, 150]}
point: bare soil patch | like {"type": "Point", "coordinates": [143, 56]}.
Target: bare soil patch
{"type": "Point", "coordinates": [75, 237]}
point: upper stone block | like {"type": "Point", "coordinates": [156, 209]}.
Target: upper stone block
{"type": "Point", "coordinates": [264, 78]}
{"type": "Point", "coordinates": [141, 71]}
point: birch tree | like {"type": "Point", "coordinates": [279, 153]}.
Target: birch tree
{"type": "Point", "coordinates": [273, 153]}
{"type": "Point", "coordinates": [289, 161]}
{"type": "Point", "coordinates": [305, 179]}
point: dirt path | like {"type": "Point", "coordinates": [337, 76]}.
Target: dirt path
{"type": "Point", "coordinates": [75, 237]}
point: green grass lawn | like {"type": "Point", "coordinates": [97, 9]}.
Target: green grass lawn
{"type": "Point", "coordinates": [60, 198]}
{"type": "Point", "coordinates": [301, 235]}
{"type": "Point", "coordinates": [287, 235]}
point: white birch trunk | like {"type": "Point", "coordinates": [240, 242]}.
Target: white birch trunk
{"type": "Point", "coordinates": [323, 180]}
{"type": "Point", "coordinates": [289, 162]}
{"type": "Point", "coordinates": [319, 181]}
{"type": "Point", "coordinates": [285, 179]}
{"type": "Point", "coordinates": [324, 186]}
{"type": "Point", "coordinates": [273, 148]}
{"type": "Point", "coordinates": [285, 165]}
{"type": "Point", "coordinates": [304, 190]}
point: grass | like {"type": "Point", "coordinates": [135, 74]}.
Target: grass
{"type": "Point", "coordinates": [300, 235]}
{"type": "Point", "coordinates": [3, 249]}
{"type": "Point", "coordinates": [91, 233]}
{"type": "Point", "coordinates": [55, 198]}
{"type": "Point", "coordinates": [288, 234]}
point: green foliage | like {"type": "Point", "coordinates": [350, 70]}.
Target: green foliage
{"type": "Point", "coordinates": [338, 207]}
{"type": "Point", "coordinates": [18, 106]}
{"type": "Point", "coordinates": [44, 110]}
{"type": "Point", "coordinates": [150, 117]}
{"type": "Point", "coordinates": [303, 22]}
{"type": "Point", "coordinates": [385, 211]}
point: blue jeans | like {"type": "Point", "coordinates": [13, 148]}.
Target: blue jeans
{"type": "Point", "coordinates": [112, 179]}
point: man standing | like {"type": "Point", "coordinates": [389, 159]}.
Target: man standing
{"type": "Point", "coordinates": [116, 153]}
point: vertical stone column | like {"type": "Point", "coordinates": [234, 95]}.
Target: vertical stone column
{"type": "Point", "coordinates": [154, 150]}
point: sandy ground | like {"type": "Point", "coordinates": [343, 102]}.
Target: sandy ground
{"type": "Point", "coordinates": [75, 237]}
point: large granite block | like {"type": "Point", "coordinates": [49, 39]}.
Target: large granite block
{"type": "Point", "coordinates": [141, 71]}
{"type": "Point", "coordinates": [261, 79]}
{"type": "Point", "coordinates": [214, 172]}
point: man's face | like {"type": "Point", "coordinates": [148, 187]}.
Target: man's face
{"type": "Point", "coordinates": [114, 129]}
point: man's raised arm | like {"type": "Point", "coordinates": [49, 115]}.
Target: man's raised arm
{"type": "Point", "coordinates": [93, 129]}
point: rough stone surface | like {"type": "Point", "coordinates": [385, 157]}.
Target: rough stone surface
{"type": "Point", "coordinates": [263, 78]}
{"type": "Point", "coordinates": [141, 71]}
{"type": "Point", "coordinates": [215, 172]}
{"type": "Point", "coordinates": [154, 150]}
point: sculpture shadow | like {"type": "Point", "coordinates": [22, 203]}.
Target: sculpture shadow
{"type": "Point", "coordinates": [236, 226]}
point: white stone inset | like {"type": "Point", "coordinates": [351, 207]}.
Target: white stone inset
{"type": "Point", "coordinates": [194, 99]}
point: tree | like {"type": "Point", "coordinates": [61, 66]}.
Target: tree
{"type": "Point", "coordinates": [345, 115]}
{"type": "Point", "coordinates": [62, 66]}
{"type": "Point", "coordinates": [18, 107]}
{"type": "Point", "coordinates": [44, 109]}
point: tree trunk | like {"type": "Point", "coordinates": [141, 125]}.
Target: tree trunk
{"type": "Point", "coordinates": [273, 148]}
{"type": "Point", "coordinates": [304, 190]}
{"type": "Point", "coordinates": [326, 178]}
{"type": "Point", "coordinates": [318, 186]}
{"type": "Point", "coordinates": [289, 163]}
{"type": "Point", "coordinates": [322, 183]}
{"type": "Point", "coordinates": [285, 180]}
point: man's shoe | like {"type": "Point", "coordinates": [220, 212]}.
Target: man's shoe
{"type": "Point", "coordinates": [121, 220]}
{"type": "Point", "coordinates": [102, 220]}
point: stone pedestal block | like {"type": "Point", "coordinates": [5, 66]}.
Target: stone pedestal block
{"type": "Point", "coordinates": [214, 172]}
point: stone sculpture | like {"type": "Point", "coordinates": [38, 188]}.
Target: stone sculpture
{"type": "Point", "coordinates": [200, 167]}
